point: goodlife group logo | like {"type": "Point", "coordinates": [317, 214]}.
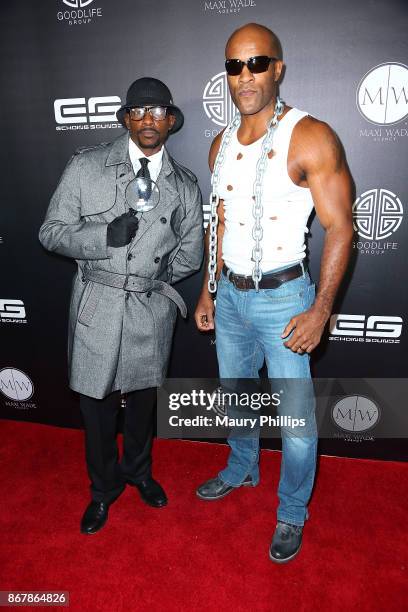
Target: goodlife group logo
{"type": "Point", "coordinates": [377, 214]}
{"type": "Point", "coordinates": [78, 15]}
{"type": "Point", "coordinates": [220, 109]}
{"type": "Point", "coordinates": [217, 101]}
{"type": "Point", "coordinates": [356, 413]}
{"type": "Point", "coordinates": [369, 329]}
{"type": "Point", "coordinates": [12, 311]}
{"type": "Point", "coordinates": [228, 6]}
{"type": "Point", "coordinates": [86, 113]}
{"type": "Point", "coordinates": [382, 99]}
{"type": "Point", "coordinates": [16, 386]}
{"type": "Point", "coordinates": [77, 3]}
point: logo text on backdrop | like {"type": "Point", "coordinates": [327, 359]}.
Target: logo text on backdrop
{"type": "Point", "coordinates": [382, 100]}
{"type": "Point", "coordinates": [228, 6]}
{"type": "Point", "coordinates": [93, 113]}
{"type": "Point", "coordinates": [78, 13]}
{"type": "Point", "coordinates": [377, 215]}
{"type": "Point", "coordinates": [17, 387]}
{"type": "Point", "coordinates": [12, 311]}
{"type": "Point", "coordinates": [361, 328]}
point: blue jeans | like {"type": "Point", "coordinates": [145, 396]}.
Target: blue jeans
{"type": "Point", "coordinates": [248, 331]}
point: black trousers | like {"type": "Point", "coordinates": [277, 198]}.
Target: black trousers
{"type": "Point", "coordinates": [108, 476]}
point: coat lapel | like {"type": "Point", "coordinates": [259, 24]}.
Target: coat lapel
{"type": "Point", "coordinates": [119, 157]}
{"type": "Point", "coordinates": [111, 184]}
{"type": "Point", "coordinates": [104, 188]}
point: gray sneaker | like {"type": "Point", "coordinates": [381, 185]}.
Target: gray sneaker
{"type": "Point", "coordinates": [215, 488]}
{"type": "Point", "coordinates": [286, 542]}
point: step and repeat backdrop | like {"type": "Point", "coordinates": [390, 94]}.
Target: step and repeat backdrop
{"type": "Point", "coordinates": [66, 68]}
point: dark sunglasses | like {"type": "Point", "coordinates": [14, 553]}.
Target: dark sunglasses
{"type": "Point", "coordinates": [255, 65]}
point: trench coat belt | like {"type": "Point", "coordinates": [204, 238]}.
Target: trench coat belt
{"type": "Point", "coordinates": [127, 282]}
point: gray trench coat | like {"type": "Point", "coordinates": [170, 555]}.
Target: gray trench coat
{"type": "Point", "coordinates": [118, 339]}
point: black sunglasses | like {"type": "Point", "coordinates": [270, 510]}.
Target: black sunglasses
{"type": "Point", "coordinates": [255, 65]}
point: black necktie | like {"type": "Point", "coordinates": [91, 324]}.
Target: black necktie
{"type": "Point", "coordinates": [143, 172]}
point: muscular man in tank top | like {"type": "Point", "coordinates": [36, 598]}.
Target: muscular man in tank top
{"type": "Point", "coordinates": [267, 308]}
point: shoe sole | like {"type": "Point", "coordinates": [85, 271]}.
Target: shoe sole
{"type": "Point", "coordinates": [206, 498]}
{"type": "Point", "coordinates": [287, 558]}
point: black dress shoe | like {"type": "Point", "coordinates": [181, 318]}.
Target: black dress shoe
{"type": "Point", "coordinates": [152, 493]}
{"type": "Point", "coordinates": [215, 488]}
{"type": "Point", "coordinates": [286, 542]}
{"type": "Point", "coordinates": [94, 518]}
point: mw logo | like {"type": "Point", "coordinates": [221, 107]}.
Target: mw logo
{"type": "Point", "coordinates": [382, 94]}
{"type": "Point", "coordinates": [15, 384]}
{"type": "Point", "coordinates": [356, 413]}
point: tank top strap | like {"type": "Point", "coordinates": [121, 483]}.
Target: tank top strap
{"type": "Point", "coordinates": [285, 129]}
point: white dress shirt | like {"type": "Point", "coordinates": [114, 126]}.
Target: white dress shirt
{"type": "Point", "coordinates": [155, 160]}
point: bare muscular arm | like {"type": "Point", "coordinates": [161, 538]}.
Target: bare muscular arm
{"type": "Point", "coordinates": [320, 157]}
{"type": "Point", "coordinates": [204, 312]}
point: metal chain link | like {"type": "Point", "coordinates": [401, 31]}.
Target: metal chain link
{"type": "Point", "coordinates": [215, 200]}
{"type": "Point", "coordinates": [257, 210]}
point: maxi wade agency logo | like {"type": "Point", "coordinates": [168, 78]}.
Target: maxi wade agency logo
{"type": "Point", "coordinates": [382, 99]}
{"type": "Point", "coordinates": [375, 329]}
{"type": "Point", "coordinates": [228, 6]}
{"type": "Point", "coordinates": [95, 113]}
{"type": "Point", "coordinates": [355, 415]}
{"type": "Point", "coordinates": [17, 387]}
{"type": "Point", "coordinates": [76, 12]}
{"type": "Point", "coordinates": [377, 215]}
{"type": "Point", "coordinates": [12, 311]}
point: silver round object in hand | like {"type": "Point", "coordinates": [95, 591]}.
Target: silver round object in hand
{"type": "Point", "coordinates": [142, 194]}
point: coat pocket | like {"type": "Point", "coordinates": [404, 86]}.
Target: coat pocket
{"type": "Point", "coordinates": [89, 304]}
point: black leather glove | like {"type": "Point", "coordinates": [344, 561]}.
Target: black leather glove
{"type": "Point", "coordinates": [122, 229]}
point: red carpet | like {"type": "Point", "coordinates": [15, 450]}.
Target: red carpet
{"type": "Point", "coordinates": [196, 555]}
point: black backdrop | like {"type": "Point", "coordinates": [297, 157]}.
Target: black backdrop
{"type": "Point", "coordinates": [67, 65]}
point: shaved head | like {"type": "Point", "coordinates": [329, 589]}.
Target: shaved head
{"type": "Point", "coordinates": [258, 33]}
{"type": "Point", "coordinates": [254, 92]}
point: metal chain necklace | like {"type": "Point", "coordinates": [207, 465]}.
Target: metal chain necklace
{"type": "Point", "coordinates": [257, 208]}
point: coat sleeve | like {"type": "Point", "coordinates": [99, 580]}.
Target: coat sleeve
{"type": "Point", "coordinates": [190, 254]}
{"type": "Point", "coordinates": [64, 230]}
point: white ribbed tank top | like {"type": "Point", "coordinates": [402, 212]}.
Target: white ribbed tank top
{"type": "Point", "coordinates": [286, 205]}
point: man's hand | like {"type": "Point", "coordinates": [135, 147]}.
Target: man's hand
{"type": "Point", "coordinates": [308, 328]}
{"type": "Point", "coordinates": [122, 230]}
{"type": "Point", "coordinates": [204, 312]}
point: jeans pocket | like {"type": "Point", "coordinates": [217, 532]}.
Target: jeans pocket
{"type": "Point", "coordinates": [289, 291]}
{"type": "Point", "coordinates": [308, 296]}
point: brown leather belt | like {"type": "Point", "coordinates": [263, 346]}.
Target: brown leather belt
{"type": "Point", "coordinates": [272, 280]}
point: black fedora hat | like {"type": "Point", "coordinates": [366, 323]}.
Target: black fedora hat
{"type": "Point", "coordinates": [150, 92]}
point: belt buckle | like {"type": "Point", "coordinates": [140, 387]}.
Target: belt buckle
{"type": "Point", "coordinates": [241, 282]}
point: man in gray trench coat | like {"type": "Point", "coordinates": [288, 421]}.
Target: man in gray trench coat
{"type": "Point", "coordinates": [123, 307]}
